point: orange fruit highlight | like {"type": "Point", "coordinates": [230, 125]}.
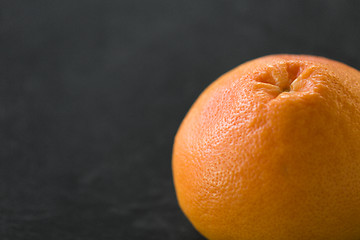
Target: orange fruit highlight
{"type": "Point", "coordinates": [271, 150]}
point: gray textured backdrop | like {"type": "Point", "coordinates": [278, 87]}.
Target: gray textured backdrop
{"type": "Point", "coordinates": [92, 93]}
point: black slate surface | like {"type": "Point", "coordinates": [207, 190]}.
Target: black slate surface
{"type": "Point", "coordinates": [92, 93]}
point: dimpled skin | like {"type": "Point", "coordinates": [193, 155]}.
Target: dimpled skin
{"type": "Point", "coordinates": [271, 150]}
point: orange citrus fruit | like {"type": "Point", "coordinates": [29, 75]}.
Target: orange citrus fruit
{"type": "Point", "coordinates": [271, 150]}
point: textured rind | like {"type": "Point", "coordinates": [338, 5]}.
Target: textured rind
{"type": "Point", "coordinates": [271, 150]}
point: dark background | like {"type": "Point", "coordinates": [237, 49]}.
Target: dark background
{"type": "Point", "coordinates": [93, 91]}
